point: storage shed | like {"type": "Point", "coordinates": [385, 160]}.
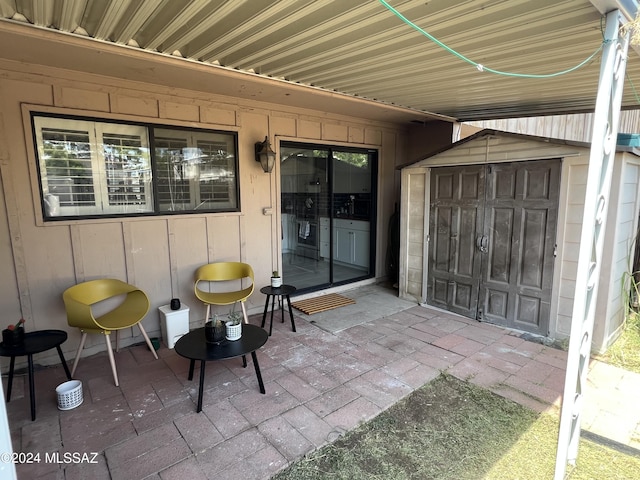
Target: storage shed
{"type": "Point", "coordinates": [490, 229]}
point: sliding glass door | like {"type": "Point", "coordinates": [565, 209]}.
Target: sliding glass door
{"type": "Point", "coordinates": [304, 174]}
{"type": "Point", "coordinates": [328, 214]}
{"type": "Point", "coordinates": [352, 216]}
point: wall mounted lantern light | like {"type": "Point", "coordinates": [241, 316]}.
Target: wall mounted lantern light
{"type": "Point", "coordinates": [265, 155]}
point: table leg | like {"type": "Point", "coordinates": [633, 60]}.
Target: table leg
{"type": "Point", "coordinates": [32, 393]}
{"type": "Point", "coordinates": [64, 362]}
{"type": "Point", "coordinates": [199, 409]}
{"type": "Point", "coordinates": [273, 303]}
{"type": "Point", "coordinates": [281, 301]}
{"type": "Point", "coordinates": [244, 361]}
{"type": "Point", "coordinates": [264, 314]}
{"type": "Point", "coordinates": [192, 364]}
{"type": "Point", "coordinates": [257, 367]}
{"type": "Point", "coordinates": [10, 379]}
{"type": "Point", "coordinates": [293, 325]}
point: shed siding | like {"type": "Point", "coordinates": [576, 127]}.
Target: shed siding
{"type": "Point", "coordinates": [500, 149]}
{"type": "Point", "coordinates": [624, 197]}
{"type": "Point", "coordinates": [570, 220]}
{"type": "Point", "coordinates": [416, 229]}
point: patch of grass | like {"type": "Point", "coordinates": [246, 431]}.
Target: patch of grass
{"type": "Point", "coordinates": [625, 352]}
{"type": "Point", "coordinates": [533, 457]}
{"type": "Point", "coordinates": [450, 429]}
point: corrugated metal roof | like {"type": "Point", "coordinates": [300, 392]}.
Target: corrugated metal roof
{"type": "Point", "coordinates": [362, 49]}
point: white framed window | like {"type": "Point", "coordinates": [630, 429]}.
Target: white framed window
{"type": "Point", "coordinates": [93, 168]}
{"type": "Point", "coordinates": [194, 170]}
{"type": "Point", "coordinates": [89, 168]}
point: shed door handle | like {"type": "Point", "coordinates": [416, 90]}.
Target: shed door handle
{"type": "Point", "coordinates": [482, 243]}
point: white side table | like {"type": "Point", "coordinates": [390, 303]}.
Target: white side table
{"type": "Point", "coordinates": [174, 323]}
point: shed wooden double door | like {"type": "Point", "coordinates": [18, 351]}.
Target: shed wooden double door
{"type": "Point", "coordinates": [492, 241]}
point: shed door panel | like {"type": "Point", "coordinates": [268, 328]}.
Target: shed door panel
{"type": "Point", "coordinates": [521, 213]}
{"type": "Point", "coordinates": [492, 242]}
{"type": "Point", "coordinates": [457, 195]}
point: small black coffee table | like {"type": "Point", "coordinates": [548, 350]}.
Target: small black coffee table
{"type": "Point", "coordinates": [34, 342]}
{"type": "Point", "coordinates": [194, 346]}
{"type": "Point", "coordinates": [282, 291]}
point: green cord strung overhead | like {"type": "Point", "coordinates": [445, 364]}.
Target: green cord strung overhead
{"type": "Point", "coordinates": [479, 66]}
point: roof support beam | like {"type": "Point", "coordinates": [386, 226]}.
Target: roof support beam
{"type": "Point", "coordinates": [596, 205]}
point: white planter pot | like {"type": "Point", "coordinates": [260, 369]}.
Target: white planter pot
{"type": "Point", "coordinates": [276, 282]}
{"type": "Point", "coordinates": [234, 332]}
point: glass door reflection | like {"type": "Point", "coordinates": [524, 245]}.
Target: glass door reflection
{"type": "Point", "coordinates": [304, 201]}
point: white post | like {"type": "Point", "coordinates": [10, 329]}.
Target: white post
{"type": "Point", "coordinates": [603, 149]}
{"type": "Point", "coordinates": [7, 467]}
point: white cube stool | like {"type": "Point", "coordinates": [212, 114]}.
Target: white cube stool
{"type": "Point", "coordinates": [174, 323]}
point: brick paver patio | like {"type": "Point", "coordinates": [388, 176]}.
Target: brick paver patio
{"type": "Point", "coordinates": [318, 386]}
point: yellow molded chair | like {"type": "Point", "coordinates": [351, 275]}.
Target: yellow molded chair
{"type": "Point", "coordinates": [235, 272]}
{"type": "Point", "coordinates": [80, 301]}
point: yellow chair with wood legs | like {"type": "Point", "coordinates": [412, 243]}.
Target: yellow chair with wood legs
{"type": "Point", "coordinates": [226, 285]}
{"type": "Point", "coordinates": [82, 302]}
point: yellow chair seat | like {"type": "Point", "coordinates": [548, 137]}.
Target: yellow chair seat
{"type": "Point", "coordinates": [82, 299]}
{"type": "Point", "coordinates": [225, 282]}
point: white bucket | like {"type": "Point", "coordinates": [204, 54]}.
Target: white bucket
{"type": "Point", "coordinates": [69, 394]}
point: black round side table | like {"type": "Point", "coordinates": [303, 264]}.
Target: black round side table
{"type": "Point", "coordinates": [273, 292]}
{"type": "Point", "coordinates": [194, 346]}
{"type": "Point", "coordinates": [34, 342]}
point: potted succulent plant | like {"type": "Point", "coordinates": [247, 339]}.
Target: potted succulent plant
{"type": "Point", "coordinates": [276, 279]}
{"type": "Point", "coordinates": [234, 326]}
{"type": "Point", "coordinates": [13, 335]}
{"type": "Point", "coordinates": [215, 330]}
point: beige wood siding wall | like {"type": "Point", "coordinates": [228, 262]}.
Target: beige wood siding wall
{"type": "Point", "coordinates": [158, 254]}
{"type": "Point", "coordinates": [577, 127]}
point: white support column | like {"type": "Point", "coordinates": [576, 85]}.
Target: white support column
{"type": "Point", "coordinates": [603, 149]}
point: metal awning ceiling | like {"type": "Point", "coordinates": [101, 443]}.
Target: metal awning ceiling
{"type": "Point", "coordinates": [289, 51]}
